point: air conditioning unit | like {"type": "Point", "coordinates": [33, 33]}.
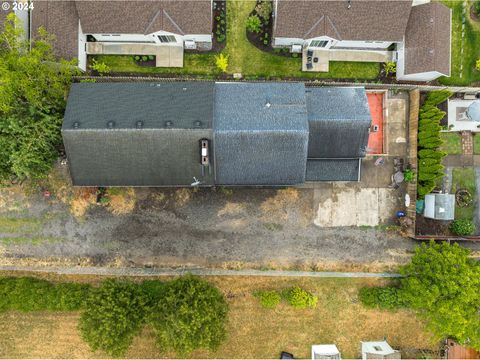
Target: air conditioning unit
{"type": "Point", "coordinates": [296, 49]}
{"type": "Point", "coordinates": [190, 45]}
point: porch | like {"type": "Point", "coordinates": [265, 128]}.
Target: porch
{"type": "Point", "coordinates": [317, 60]}
{"type": "Point", "coordinates": [165, 56]}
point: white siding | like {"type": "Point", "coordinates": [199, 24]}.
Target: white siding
{"type": "Point", "coordinates": [123, 37]}
{"type": "Point", "coordinates": [284, 42]}
{"type": "Point", "coordinates": [425, 76]}
{"type": "Point", "coordinates": [363, 44]}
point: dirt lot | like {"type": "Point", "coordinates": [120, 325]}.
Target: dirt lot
{"type": "Point", "coordinates": [252, 332]}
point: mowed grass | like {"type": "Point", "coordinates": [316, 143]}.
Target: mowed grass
{"type": "Point", "coordinates": [452, 143]}
{"type": "Point", "coordinates": [245, 58]}
{"type": "Point", "coordinates": [476, 144]}
{"type": "Point", "coordinates": [464, 178]}
{"type": "Point", "coordinates": [471, 53]}
{"type": "Point", "coordinates": [253, 332]}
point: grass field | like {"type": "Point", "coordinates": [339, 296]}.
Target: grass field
{"type": "Point", "coordinates": [471, 48]}
{"type": "Point", "coordinates": [245, 58]}
{"type": "Point", "coordinates": [476, 144]}
{"type": "Point", "coordinates": [452, 143]}
{"type": "Point", "coordinates": [253, 332]}
{"type": "Point", "coordinates": [464, 178]}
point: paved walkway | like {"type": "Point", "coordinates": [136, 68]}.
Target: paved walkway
{"type": "Point", "coordinates": [467, 143]}
{"type": "Point", "coordinates": [108, 271]}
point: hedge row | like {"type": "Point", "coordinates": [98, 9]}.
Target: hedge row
{"type": "Point", "coordinates": [430, 166]}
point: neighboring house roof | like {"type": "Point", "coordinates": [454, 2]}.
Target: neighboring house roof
{"type": "Point", "coordinates": [260, 133]}
{"type": "Point", "coordinates": [427, 40]}
{"type": "Point", "coordinates": [440, 206]}
{"type": "Point", "coordinates": [145, 17]}
{"type": "Point", "coordinates": [333, 170]}
{"type": "Point", "coordinates": [366, 20]}
{"type": "Point", "coordinates": [60, 19]}
{"type": "Point", "coordinates": [154, 154]}
{"type": "Point", "coordinates": [339, 121]}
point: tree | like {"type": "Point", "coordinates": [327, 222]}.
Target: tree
{"type": "Point", "coordinates": [33, 89]}
{"type": "Point", "coordinates": [190, 315]}
{"type": "Point", "coordinates": [114, 314]}
{"type": "Point", "coordinates": [443, 284]}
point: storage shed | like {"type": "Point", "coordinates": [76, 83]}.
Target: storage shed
{"type": "Point", "coordinates": [440, 206]}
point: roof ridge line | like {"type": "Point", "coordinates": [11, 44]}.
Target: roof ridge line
{"type": "Point", "coordinates": [152, 21]}
{"type": "Point", "coordinates": [173, 22]}
{"type": "Point", "coordinates": [334, 27]}
{"type": "Point", "coordinates": [314, 26]}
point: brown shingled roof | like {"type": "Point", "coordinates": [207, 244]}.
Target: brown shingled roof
{"type": "Point", "coordinates": [427, 41]}
{"type": "Point", "coordinates": [368, 20]}
{"type": "Point", "coordinates": [59, 18]}
{"type": "Point", "coordinates": [145, 17]}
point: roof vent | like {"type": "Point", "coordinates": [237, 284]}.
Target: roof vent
{"type": "Point", "coordinates": [184, 89]}
{"type": "Point", "coordinates": [76, 125]}
{"type": "Point", "coordinates": [111, 124]}
{"type": "Point", "coordinates": [168, 124]}
{"type": "Point", "coordinates": [197, 124]}
{"type": "Point", "coordinates": [349, 4]}
{"type": "Point", "coordinates": [267, 105]}
{"type": "Point", "coordinates": [139, 124]}
{"type": "Point", "coordinates": [431, 20]}
{"type": "Point", "coordinates": [158, 85]}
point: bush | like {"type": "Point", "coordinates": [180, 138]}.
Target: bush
{"type": "Point", "coordinates": [386, 298]}
{"type": "Point", "coordinates": [100, 67]}
{"type": "Point", "coordinates": [222, 62]}
{"type": "Point", "coordinates": [264, 9]}
{"type": "Point", "coordinates": [191, 315]}
{"type": "Point", "coordinates": [462, 227]}
{"type": "Point", "coordinates": [254, 24]}
{"type": "Point", "coordinates": [390, 68]}
{"type": "Point", "coordinates": [30, 294]}
{"type": "Point", "coordinates": [409, 175]}
{"type": "Point", "coordinates": [268, 299]}
{"type": "Point", "coordinates": [151, 57]}
{"type": "Point", "coordinates": [476, 7]}
{"type": "Point", "coordinates": [137, 58]}
{"type": "Point", "coordinates": [114, 315]}
{"type": "Point", "coordinates": [220, 38]}
{"type": "Point", "coordinates": [299, 298]}
{"type": "Point", "coordinates": [436, 97]}
{"type": "Point", "coordinates": [431, 154]}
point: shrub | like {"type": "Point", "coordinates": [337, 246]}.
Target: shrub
{"type": "Point", "coordinates": [254, 24]}
{"type": "Point", "coordinates": [268, 299]}
{"type": "Point", "coordinates": [380, 297]}
{"type": "Point", "coordinates": [462, 227]}
{"type": "Point", "coordinates": [390, 68]}
{"type": "Point", "coordinates": [476, 7]}
{"type": "Point", "coordinates": [265, 42]}
{"type": "Point", "coordinates": [191, 315]}
{"type": "Point", "coordinates": [431, 154]}
{"type": "Point", "coordinates": [151, 57]}
{"type": "Point", "coordinates": [30, 294]}
{"type": "Point", "coordinates": [222, 62]}
{"type": "Point", "coordinates": [436, 97]}
{"type": "Point", "coordinates": [137, 58]}
{"type": "Point", "coordinates": [100, 67]}
{"type": "Point", "coordinates": [264, 9]}
{"type": "Point", "coordinates": [114, 315]}
{"type": "Point", "coordinates": [409, 175]}
{"type": "Point", "coordinates": [299, 298]}
{"type": "Point", "coordinates": [220, 38]}
{"type": "Point", "coordinates": [425, 187]}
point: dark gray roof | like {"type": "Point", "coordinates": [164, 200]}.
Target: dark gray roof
{"type": "Point", "coordinates": [365, 20]}
{"type": "Point", "coordinates": [181, 103]}
{"type": "Point", "coordinates": [428, 39]}
{"type": "Point", "coordinates": [261, 133]}
{"type": "Point", "coordinates": [153, 155]}
{"type": "Point", "coordinates": [333, 170]}
{"type": "Point", "coordinates": [339, 121]}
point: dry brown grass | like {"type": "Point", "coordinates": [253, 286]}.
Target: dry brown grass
{"type": "Point", "coordinates": [183, 196]}
{"type": "Point", "coordinates": [121, 200]}
{"type": "Point", "coordinates": [81, 200]}
{"type": "Point", "coordinates": [13, 198]}
{"type": "Point", "coordinates": [232, 208]}
{"type": "Point", "coordinates": [253, 332]}
{"type": "Point", "coordinates": [288, 204]}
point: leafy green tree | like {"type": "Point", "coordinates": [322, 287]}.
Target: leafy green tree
{"type": "Point", "coordinates": [190, 315]}
{"type": "Point", "coordinates": [114, 314]}
{"type": "Point", "coordinates": [254, 24]}
{"type": "Point", "coordinates": [33, 88]}
{"type": "Point", "coordinates": [443, 284]}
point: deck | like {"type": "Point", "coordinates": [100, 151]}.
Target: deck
{"type": "Point", "coordinates": [166, 55]}
{"type": "Point", "coordinates": [321, 58]}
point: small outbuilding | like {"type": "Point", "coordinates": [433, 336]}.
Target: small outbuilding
{"type": "Point", "coordinates": [325, 352]}
{"type": "Point", "coordinates": [440, 206]}
{"type": "Point", "coordinates": [379, 350]}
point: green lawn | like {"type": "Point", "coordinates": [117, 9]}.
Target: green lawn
{"type": "Point", "coordinates": [452, 143]}
{"type": "Point", "coordinates": [245, 58]}
{"type": "Point", "coordinates": [476, 144]}
{"type": "Point", "coordinates": [464, 178]}
{"type": "Point", "coordinates": [471, 47]}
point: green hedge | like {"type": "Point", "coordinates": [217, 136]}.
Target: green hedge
{"type": "Point", "coordinates": [386, 298]}
{"type": "Point", "coordinates": [300, 298]}
{"type": "Point", "coordinates": [430, 166]}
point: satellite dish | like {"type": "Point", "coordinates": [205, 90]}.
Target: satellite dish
{"type": "Point", "coordinates": [195, 182]}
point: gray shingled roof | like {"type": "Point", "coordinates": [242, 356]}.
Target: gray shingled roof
{"type": "Point", "coordinates": [260, 133]}
{"type": "Point", "coordinates": [333, 170]}
{"type": "Point", "coordinates": [182, 103]}
{"type": "Point", "coordinates": [339, 121]}
{"type": "Point", "coordinates": [371, 20]}
{"type": "Point", "coordinates": [154, 155]}
{"type": "Point", "coordinates": [60, 19]}
{"type": "Point", "coordinates": [427, 40]}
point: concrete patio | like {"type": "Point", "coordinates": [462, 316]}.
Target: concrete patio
{"type": "Point", "coordinates": [166, 55]}
{"type": "Point", "coordinates": [457, 118]}
{"type": "Point", "coordinates": [325, 56]}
